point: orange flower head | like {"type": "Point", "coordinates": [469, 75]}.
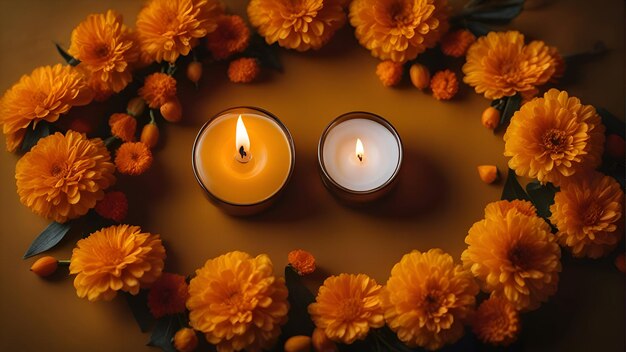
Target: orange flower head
{"type": "Point", "coordinates": [399, 30]}
{"type": "Point", "coordinates": [185, 340]}
{"type": "Point", "coordinates": [107, 51]}
{"type": "Point", "coordinates": [167, 29]}
{"type": "Point", "coordinates": [444, 85]}
{"type": "Point", "coordinates": [157, 89]}
{"type": "Point", "coordinates": [299, 25]}
{"type": "Point", "coordinates": [116, 258]}
{"type": "Point", "coordinates": [515, 257]}
{"type": "Point", "coordinates": [457, 42]}
{"type": "Point", "coordinates": [302, 261]}
{"type": "Point", "coordinates": [243, 70]}
{"type": "Point", "coordinates": [113, 206]}
{"type": "Point", "coordinates": [428, 299]}
{"type": "Point", "coordinates": [133, 158]}
{"type": "Point", "coordinates": [389, 72]}
{"type": "Point", "coordinates": [499, 65]}
{"type": "Point", "coordinates": [168, 295]}
{"type": "Point", "coordinates": [44, 95]}
{"type": "Point", "coordinates": [554, 137]}
{"type": "Point", "coordinates": [231, 37]}
{"type": "Point", "coordinates": [63, 176]}
{"type": "Point", "coordinates": [496, 322]}
{"type": "Point", "coordinates": [588, 211]}
{"type": "Point", "coordinates": [498, 209]}
{"type": "Point", "coordinates": [237, 302]}
{"type": "Point", "coordinates": [123, 126]}
{"type": "Point", "coordinates": [347, 307]}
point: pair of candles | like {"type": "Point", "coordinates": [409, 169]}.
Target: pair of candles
{"type": "Point", "coordinates": [244, 157]}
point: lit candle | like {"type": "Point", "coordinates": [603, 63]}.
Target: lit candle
{"type": "Point", "coordinates": [360, 155]}
{"type": "Point", "coordinates": [243, 158]}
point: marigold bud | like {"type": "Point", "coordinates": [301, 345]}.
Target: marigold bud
{"type": "Point", "coordinates": [185, 340]}
{"type": "Point", "coordinates": [298, 343]}
{"type": "Point", "coordinates": [488, 173]}
{"type": "Point", "coordinates": [420, 77]}
{"type": "Point", "coordinates": [491, 118]}
{"type": "Point", "coordinates": [620, 262]}
{"type": "Point", "coordinates": [172, 111]}
{"type": "Point", "coordinates": [45, 266]}
{"type": "Point", "coordinates": [321, 342]}
{"type": "Point", "coordinates": [136, 106]}
{"type": "Point", "coordinates": [150, 135]}
{"type": "Point", "coordinates": [615, 147]}
{"type": "Point", "coordinates": [194, 71]}
{"type": "Point", "coordinates": [302, 261]}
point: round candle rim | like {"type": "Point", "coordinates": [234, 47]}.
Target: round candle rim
{"type": "Point", "coordinates": [280, 124]}
{"type": "Point", "coordinates": [360, 115]}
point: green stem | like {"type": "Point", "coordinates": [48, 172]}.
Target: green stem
{"type": "Point", "coordinates": [108, 141]}
{"type": "Point", "coordinates": [64, 262]}
{"type": "Point", "coordinates": [152, 119]}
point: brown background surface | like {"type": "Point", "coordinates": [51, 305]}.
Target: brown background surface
{"type": "Point", "coordinates": [439, 198]}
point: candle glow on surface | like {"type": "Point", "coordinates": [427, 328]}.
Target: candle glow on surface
{"type": "Point", "coordinates": [242, 142]}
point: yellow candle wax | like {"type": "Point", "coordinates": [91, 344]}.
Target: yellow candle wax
{"type": "Point", "coordinates": [237, 182]}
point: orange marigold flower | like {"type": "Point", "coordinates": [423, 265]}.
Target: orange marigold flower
{"type": "Point", "coordinates": [515, 257]}
{"type": "Point", "coordinates": [169, 28]}
{"type": "Point", "coordinates": [444, 85]}
{"type": "Point", "coordinates": [347, 306]}
{"type": "Point", "coordinates": [588, 212]}
{"type": "Point", "coordinates": [496, 322]}
{"type": "Point", "coordinates": [389, 72]}
{"type": "Point", "coordinates": [302, 261]}
{"type": "Point", "coordinates": [498, 209]}
{"type": "Point", "coordinates": [116, 258]}
{"type": "Point", "coordinates": [157, 89]}
{"type": "Point", "coordinates": [554, 137]}
{"type": "Point", "coordinates": [457, 42]}
{"type": "Point", "coordinates": [63, 176]}
{"type": "Point", "coordinates": [428, 299]}
{"type": "Point", "coordinates": [299, 25]}
{"type": "Point", "coordinates": [44, 95]}
{"type": "Point", "coordinates": [231, 36]}
{"type": "Point", "coordinates": [168, 295]}
{"type": "Point", "coordinates": [113, 206]}
{"type": "Point", "coordinates": [399, 30]}
{"type": "Point", "coordinates": [106, 50]}
{"type": "Point", "coordinates": [499, 65]}
{"type": "Point", "coordinates": [133, 158]}
{"type": "Point", "coordinates": [243, 70]}
{"type": "Point", "coordinates": [123, 126]}
{"type": "Point", "coordinates": [238, 303]}
{"type": "Point", "coordinates": [185, 340]}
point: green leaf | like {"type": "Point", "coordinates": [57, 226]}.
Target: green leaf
{"type": "Point", "coordinates": [33, 135]}
{"type": "Point", "coordinates": [139, 307]}
{"type": "Point", "coordinates": [511, 105]}
{"type": "Point", "coordinates": [512, 189]}
{"type": "Point", "coordinates": [263, 52]}
{"type": "Point", "coordinates": [163, 333]}
{"type": "Point", "coordinates": [542, 197]}
{"type": "Point", "coordinates": [478, 29]}
{"type": "Point", "coordinates": [48, 238]}
{"type": "Point", "coordinates": [492, 11]}
{"type": "Point", "coordinates": [300, 297]}
{"type": "Point", "coordinates": [72, 61]}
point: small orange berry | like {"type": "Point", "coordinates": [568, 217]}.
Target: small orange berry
{"type": "Point", "coordinates": [321, 342]}
{"type": "Point", "coordinates": [615, 147]}
{"type": "Point", "coordinates": [488, 173]}
{"type": "Point", "coordinates": [298, 343]}
{"type": "Point", "coordinates": [135, 106]}
{"type": "Point", "coordinates": [194, 71]}
{"type": "Point", "coordinates": [45, 266]}
{"type": "Point", "coordinates": [491, 118]}
{"type": "Point", "coordinates": [185, 340]}
{"type": "Point", "coordinates": [172, 111]}
{"type": "Point", "coordinates": [150, 135]}
{"type": "Point", "coordinates": [620, 262]}
{"type": "Point", "coordinates": [420, 76]}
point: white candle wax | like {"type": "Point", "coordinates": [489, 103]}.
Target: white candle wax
{"type": "Point", "coordinates": [380, 158]}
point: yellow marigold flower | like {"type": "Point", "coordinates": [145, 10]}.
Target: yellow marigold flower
{"type": "Point", "coordinates": [457, 42]}
{"type": "Point", "coordinates": [157, 89]}
{"type": "Point", "coordinates": [299, 25]}
{"type": "Point", "coordinates": [589, 215]}
{"type": "Point", "coordinates": [389, 72]}
{"type": "Point", "coordinates": [444, 85]}
{"type": "Point", "coordinates": [302, 261]}
{"type": "Point", "coordinates": [116, 258]}
{"type": "Point", "coordinates": [347, 306]}
{"type": "Point", "coordinates": [63, 176]}
{"type": "Point", "coordinates": [238, 303]}
{"type": "Point", "coordinates": [243, 70]}
{"type": "Point", "coordinates": [498, 209]}
{"type": "Point", "coordinates": [133, 158]}
{"type": "Point", "coordinates": [554, 137]}
{"type": "Point", "coordinates": [106, 50]}
{"type": "Point", "coordinates": [45, 94]}
{"type": "Point", "coordinates": [496, 322]}
{"type": "Point", "coordinates": [167, 29]}
{"type": "Point", "coordinates": [123, 126]}
{"type": "Point", "coordinates": [399, 30]}
{"type": "Point", "coordinates": [514, 257]}
{"type": "Point", "coordinates": [428, 299]}
{"type": "Point", "coordinates": [231, 36]}
{"type": "Point", "coordinates": [499, 64]}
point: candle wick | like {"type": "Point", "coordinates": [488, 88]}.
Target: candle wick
{"type": "Point", "coordinates": [360, 157]}
{"type": "Point", "coordinates": [242, 152]}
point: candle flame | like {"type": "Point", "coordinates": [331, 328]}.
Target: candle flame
{"type": "Point", "coordinates": [242, 142]}
{"type": "Point", "coordinates": [360, 152]}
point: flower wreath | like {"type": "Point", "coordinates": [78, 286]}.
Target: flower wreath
{"type": "Point", "coordinates": [512, 255]}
